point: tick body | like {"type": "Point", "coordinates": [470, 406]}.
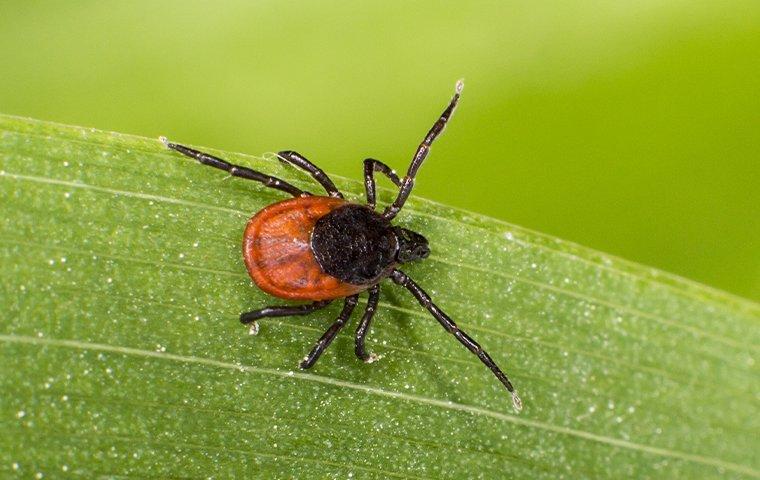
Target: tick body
{"type": "Point", "coordinates": [323, 248]}
{"type": "Point", "coordinates": [278, 251]}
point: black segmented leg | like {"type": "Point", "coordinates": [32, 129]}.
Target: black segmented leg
{"type": "Point", "coordinates": [235, 170]}
{"type": "Point", "coordinates": [327, 338]}
{"type": "Point", "coordinates": [370, 167]}
{"type": "Point", "coordinates": [422, 151]}
{"type": "Point", "coordinates": [402, 279]}
{"type": "Point", "coordinates": [281, 311]}
{"type": "Point", "coordinates": [298, 160]}
{"type": "Point", "coordinates": [363, 328]}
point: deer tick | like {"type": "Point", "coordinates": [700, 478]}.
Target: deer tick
{"type": "Point", "coordinates": [322, 248]}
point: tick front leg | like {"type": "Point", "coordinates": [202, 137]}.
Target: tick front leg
{"type": "Point", "coordinates": [363, 328]}
{"type": "Point", "coordinates": [422, 152]}
{"type": "Point", "coordinates": [370, 167]}
{"type": "Point", "coordinates": [279, 311]}
{"type": "Point", "coordinates": [235, 170]}
{"type": "Point", "coordinates": [329, 335]}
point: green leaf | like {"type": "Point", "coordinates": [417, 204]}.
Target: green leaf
{"type": "Point", "coordinates": [121, 354]}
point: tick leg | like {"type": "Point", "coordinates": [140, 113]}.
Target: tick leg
{"type": "Point", "coordinates": [370, 167]}
{"type": "Point", "coordinates": [282, 311]}
{"type": "Point", "coordinates": [363, 328]}
{"type": "Point", "coordinates": [422, 151]}
{"type": "Point", "coordinates": [329, 335]}
{"type": "Point", "coordinates": [296, 159]}
{"type": "Point", "coordinates": [235, 170]}
{"type": "Point", "coordinates": [447, 323]}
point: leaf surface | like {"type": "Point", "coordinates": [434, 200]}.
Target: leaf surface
{"type": "Point", "coordinates": [121, 354]}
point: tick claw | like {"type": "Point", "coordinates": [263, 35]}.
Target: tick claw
{"type": "Point", "coordinates": [372, 358]}
{"type": "Point", "coordinates": [516, 402]}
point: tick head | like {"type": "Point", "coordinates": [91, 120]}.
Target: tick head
{"type": "Point", "coordinates": [411, 245]}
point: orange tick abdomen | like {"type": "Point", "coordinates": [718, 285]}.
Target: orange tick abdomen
{"type": "Point", "coordinates": [278, 254]}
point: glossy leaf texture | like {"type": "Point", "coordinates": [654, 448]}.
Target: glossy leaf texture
{"type": "Point", "coordinates": [121, 354]}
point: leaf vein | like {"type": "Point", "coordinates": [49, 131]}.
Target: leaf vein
{"type": "Point", "coordinates": [474, 410]}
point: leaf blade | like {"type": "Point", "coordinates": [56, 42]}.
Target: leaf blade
{"type": "Point", "coordinates": [613, 360]}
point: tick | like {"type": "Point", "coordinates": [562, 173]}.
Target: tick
{"type": "Point", "coordinates": [321, 248]}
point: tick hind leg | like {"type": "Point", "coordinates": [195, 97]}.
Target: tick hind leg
{"type": "Point", "coordinates": [348, 307]}
{"type": "Point", "coordinates": [370, 167]}
{"type": "Point", "coordinates": [298, 160]}
{"type": "Point", "coordinates": [235, 170]}
{"type": "Point", "coordinates": [279, 311]}
{"type": "Point", "coordinates": [363, 328]}
{"type": "Point", "coordinates": [447, 323]}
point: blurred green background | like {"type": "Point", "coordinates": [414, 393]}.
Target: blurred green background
{"type": "Point", "coordinates": [630, 127]}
